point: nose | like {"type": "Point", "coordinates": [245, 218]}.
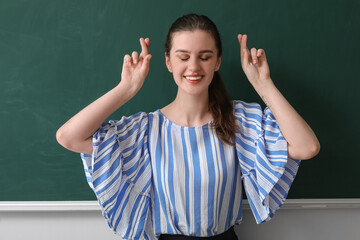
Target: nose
{"type": "Point", "coordinates": [194, 64]}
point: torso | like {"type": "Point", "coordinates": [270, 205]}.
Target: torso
{"type": "Point", "coordinates": [196, 179]}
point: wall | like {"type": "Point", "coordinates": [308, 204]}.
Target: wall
{"type": "Point", "coordinates": [294, 222]}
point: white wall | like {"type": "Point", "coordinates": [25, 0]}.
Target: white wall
{"type": "Point", "coordinates": [54, 226]}
{"type": "Point", "coordinates": [307, 224]}
{"type": "Point", "coordinates": [290, 223]}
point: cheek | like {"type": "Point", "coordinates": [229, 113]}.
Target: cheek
{"type": "Point", "coordinates": [177, 69]}
{"type": "Point", "coordinates": [176, 73]}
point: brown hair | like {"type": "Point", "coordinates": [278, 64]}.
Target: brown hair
{"type": "Point", "coordinates": [220, 104]}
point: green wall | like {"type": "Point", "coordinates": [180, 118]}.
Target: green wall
{"type": "Point", "coordinates": [58, 56]}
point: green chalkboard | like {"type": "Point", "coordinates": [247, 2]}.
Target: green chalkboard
{"type": "Point", "coordinates": [58, 56]}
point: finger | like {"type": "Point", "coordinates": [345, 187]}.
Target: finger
{"type": "Point", "coordinates": [127, 60]}
{"type": "Point", "coordinates": [146, 63]}
{"type": "Point", "coordinates": [239, 39]}
{"type": "Point", "coordinates": [254, 56]}
{"type": "Point", "coordinates": [261, 54]}
{"type": "Point", "coordinates": [145, 43]}
{"type": "Point", "coordinates": [244, 51]}
{"type": "Point", "coordinates": [135, 57]}
{"type": "Point", "coordinates": [244, 43]}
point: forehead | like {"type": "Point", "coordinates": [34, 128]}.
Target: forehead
{"type": "Point", "coordinates": [197, 40]}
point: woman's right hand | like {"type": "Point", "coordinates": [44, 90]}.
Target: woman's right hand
{"type": "Point", "coordinates": [76, 134]}
{"type": "Point", "coordinates": [136, 68]}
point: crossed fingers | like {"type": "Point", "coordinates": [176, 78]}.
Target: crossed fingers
{"type": "Point", "coordinates": [135, 58]}
{"type": "Point", "coordinates": [253, 56]}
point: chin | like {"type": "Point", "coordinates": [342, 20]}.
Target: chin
{"type": "Point", "coordinates": [195, 92]}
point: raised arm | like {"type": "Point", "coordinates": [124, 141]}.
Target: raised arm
{"type": "Point", "coordinates": [76, 134]}
{"type": "Point", "coordinates": [302, 141]}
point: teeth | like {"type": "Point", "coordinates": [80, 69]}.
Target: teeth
{"type": "Point", "coordinates": [193, 78]}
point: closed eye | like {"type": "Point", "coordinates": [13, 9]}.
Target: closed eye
{"type": "Point", "coordinates": [202, 58]}
{"type": "Point", "coordinates": [205, 57]}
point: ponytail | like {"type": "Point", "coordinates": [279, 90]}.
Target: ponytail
{"type": "Point", "coordinates": [221, 107]}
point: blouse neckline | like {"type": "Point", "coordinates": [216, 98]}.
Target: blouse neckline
{"type": "Point", "coordinates": [206, 125]}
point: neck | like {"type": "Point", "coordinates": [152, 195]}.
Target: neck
{"type": "Point", "coordinates": [187, 110]}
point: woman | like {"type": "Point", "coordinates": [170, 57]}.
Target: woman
{"type": "Point", "coordinates": [176, 173]}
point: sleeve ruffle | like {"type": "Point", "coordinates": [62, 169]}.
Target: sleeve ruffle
{"type": "Point", "coordinates": [119, 172]}
{"type": "Point", "coordinates": [267, 172]}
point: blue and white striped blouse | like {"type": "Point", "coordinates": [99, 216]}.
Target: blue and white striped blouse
{"type": "Point", "coordinates": [152, 176]}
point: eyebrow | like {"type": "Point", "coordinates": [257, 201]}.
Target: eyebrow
{"type": "Point", "coordinates": [185, 51]}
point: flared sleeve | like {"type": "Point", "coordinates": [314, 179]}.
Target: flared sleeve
{"type": "Point", "coordinates": [267, 172]}
{"type": "Point", "coordinates": [119, 172]}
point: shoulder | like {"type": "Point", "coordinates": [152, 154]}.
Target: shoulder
{"type": "Point", "coordinates": [247, 110]}
{"type": "Point", "coordinates": [126, 123]}
{"type": "Point", "coordinates": [137, 117]}
{"type": "Point", "coordinates": [140, 117]}
{"type": "Point", "coordinates": [248, 117]}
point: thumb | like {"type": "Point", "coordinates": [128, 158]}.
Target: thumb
{"type": "Point", "coordinates": [146, 62]}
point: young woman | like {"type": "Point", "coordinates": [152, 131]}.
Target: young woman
{"type": "Point", "coordinates": [176, 173]}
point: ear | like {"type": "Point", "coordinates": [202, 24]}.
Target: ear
{"type": "Point", "coordinates": [217, 66]}
{"type": "Point", "coordinates": [168, 64]}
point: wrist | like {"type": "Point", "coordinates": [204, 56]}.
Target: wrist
{"type": "Point", "coordinates": [267, 91]}
{"type": "Point", "coordinates": [124, 91]}
{"type": "Point", "coordinates": [263, 86]}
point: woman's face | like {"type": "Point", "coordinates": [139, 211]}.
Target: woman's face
{"type": "Point", "coordinates": [193, 59]}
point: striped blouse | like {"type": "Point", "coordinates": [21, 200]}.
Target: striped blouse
{"type": "Point", "coordinates": [152, 176]}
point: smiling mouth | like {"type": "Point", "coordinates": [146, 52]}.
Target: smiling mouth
{"type": "Point", "coordinates": [193, 78]}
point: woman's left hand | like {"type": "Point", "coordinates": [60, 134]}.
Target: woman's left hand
{"type": "Point", "coordinates": [302, 141]}
{"type": "Point", "coordinates": [254, 63]}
